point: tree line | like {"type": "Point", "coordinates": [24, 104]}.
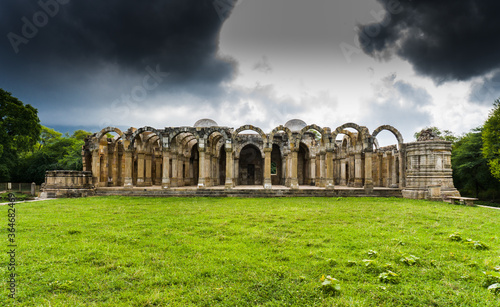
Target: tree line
{"type": "Point", "coordinates": [28, 149]}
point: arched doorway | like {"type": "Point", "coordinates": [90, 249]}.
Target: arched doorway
{"type": "Point", "coordinates": [194, 164]}
{"type": "Point", "coordinates": [303, 174]}
{"type": "Point", "coordinates": [276, 166]}
{"type": "Point", "coordinates": [251, 166]}
{"type": "Point", "coordinates": [222, 165]}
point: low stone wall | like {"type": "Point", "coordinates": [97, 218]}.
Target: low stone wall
{"type": "Point", "coordinates": [59, 184]}
{"type": "Point", "coordinates": [236, 192]}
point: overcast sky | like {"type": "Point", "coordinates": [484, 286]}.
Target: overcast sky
{"type": "Point", "coordinates": [410, 64]}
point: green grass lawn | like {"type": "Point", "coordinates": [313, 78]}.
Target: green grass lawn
{"type": "Point", "coordinates": [119, 251]}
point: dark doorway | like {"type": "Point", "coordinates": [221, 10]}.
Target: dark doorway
{"type": "Point", "coordinates": [251, 166]}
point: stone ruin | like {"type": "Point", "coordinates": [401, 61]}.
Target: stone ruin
{"type": "Point", "coordinates": [291, 156]}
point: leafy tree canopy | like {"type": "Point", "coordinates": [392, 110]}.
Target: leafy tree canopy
{"type": "Point", "coordinates": [491, 140]}
{"type": "Point", "coordinates": [470, 169]}
{"type": "Point", "coordinates": [19, 131]}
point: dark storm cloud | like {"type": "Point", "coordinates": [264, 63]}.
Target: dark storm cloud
{"type": "Point", "coordinates": [445, 40]}
{"type": "Point", "coordinates": [59, 40]}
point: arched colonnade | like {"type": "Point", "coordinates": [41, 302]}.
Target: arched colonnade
{"type": "Point", "coordinates": [207, 155]}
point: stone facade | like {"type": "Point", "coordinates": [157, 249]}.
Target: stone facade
{"type": "Point", "coordinates": [291, 155]}
{"type": "Point", "coordinates": [67, 184]}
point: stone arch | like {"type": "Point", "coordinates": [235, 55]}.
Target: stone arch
{"type": "Point", "coordinates": [242, 145]}
{"type": "Point", "coordinates": [101, 133]}
{"type": "Point", "coordinates": [250, 127]}
{"type": "Point", "coordinates": [363, 131]}
{"type": "Point", "coordinates": [225, 134]}
{"type": "Point", "coordinates": [364, 136]}
{"type": "Point", "coordinates": [141, 130]}
{"type": "Point", "coordinates": [394, 131]}
{"type": "Point", "coordinates": [324, 136]}
{"type": "Point", "coordinates": [276, 130]}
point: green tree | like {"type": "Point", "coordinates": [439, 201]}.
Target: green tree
{"type": "Point", "coordinates": [19, 131]}
{"type": "Point", "coordinates": [53, 152]}
{"type": "Point", "coordinates": [491, 140]}
{"type": "Point", "coordinates": [470, 169]}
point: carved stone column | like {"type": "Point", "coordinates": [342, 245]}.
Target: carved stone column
{"type": "Point", "coordinates": [329, 168]}
{"type": "Point", "coordinates": [158, 167]}
{"type": "Point", "coordinates": [229, 184]}
{"type": "Point", "coordinates": [402, 166]}
{"type": "Point", "coordinates": [267, 168]}
{"type": "Point", "coordinates": [96, 167]}
{"type": "Point", "coordinates": [202, 167]}
{"type": "Point", "coordinates": [128, 169]}
{"type": "Point", "coordinates": [294, 182]}
{"type": "Point", "coordinates": [180, 170]}
{"type": "Point", "coordinates": [343, 173]}
{"type": "Point", "coordinates": [148, 167]}
{"type": "Point", "coordinates": [140, 169]}
{"type": "Point", "coordinates": [114, 166]}
{"type": "Point", "coordinates": [358, 166]}
{"type": "Point", "coordinates": [368, 172]}
{"type": "Point", "coordinates": [312, 165]}
{"type": "Point", "coordinates": [322, 168]}
{"type": "Point", "coordinates": [388, 163]}
{"type": "Point", "coordinates": [104, 167]}
{"type": "Point", "coordinates": [165, 181]}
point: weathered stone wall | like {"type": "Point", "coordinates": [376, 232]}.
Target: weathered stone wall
{"type": "Point", "coordinates": [428, 167]}
{"type": "Point", "coordinates": [67, 184]}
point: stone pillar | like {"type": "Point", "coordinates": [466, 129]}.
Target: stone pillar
{"type": "Point", "coordinates": [368, 172]}
{"type": "Point", "coordinates": [208, 169]}
{"type": "Point", "coordinates": [165, 181]}
{"type": "Point", "coordinates": [104, 172]}
{"type": "Point", "coordinates": [358, 167]}
{"type": "Point", "coordinates": [343, 178]}
{"type": "Point", "coordinates": [180, 170]}
{"type": "Point", "coordinates": [158, 168]}
{"type": "Point", "coordinates": [394, 171]}
{"type": "Point", "coordinates": [128, 169]}
{"type": "Point", "coordinates": [229, 166]}
{"type": "Point", "coordinates": [329, 169]}
{"type": "Point", "coordinates": [380, 171]}
{"type": "Point", "coordinates": [202, 167]}
{"type": "Point", "coordinates": [312, 165]}
{"type": "Point", "coordinates": [267, 168]}
{"type": "Point", "coordinates": [294, 182]}
{"type": "Point", "coordinates": [140, 169]}
{"type": "Point", "coordinates": [390, 165]}
{"type": "Point", "coordinates": [402, 168]}
{"type": "Point", "coordinates": [96, 167]}
{"type": "Point", "coordinates": [317, 171]}
{"type": "Point", "coordinates": [114, 166]}
{"type": "Point", "coordinates": [322, 168]}
{"type": "Point", "coordinates": [148, 167]}
{"type": "Point", "coordinates": [174, 180]}
{"type": "Point", "coordinates": [286, 169]}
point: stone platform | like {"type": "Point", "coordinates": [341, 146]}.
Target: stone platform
{"type": "Point", "coordinates": [249, 191]}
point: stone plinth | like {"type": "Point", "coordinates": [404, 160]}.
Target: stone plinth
{"type": "Point", "coordinates": [428, 166]}
{"type": "Point", "coordinates": [60, 184]}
